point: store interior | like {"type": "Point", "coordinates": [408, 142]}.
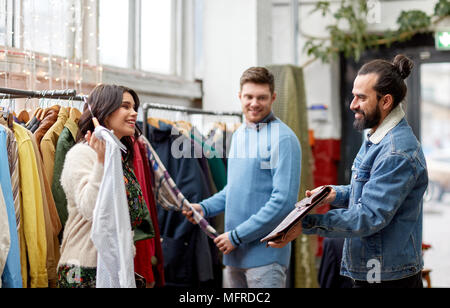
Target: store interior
{"type": "Point", "coordinates": [184, 59]}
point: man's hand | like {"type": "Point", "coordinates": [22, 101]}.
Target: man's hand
{"type": "Point", "coordinates": [189, 213]}
{"type": "Point", "coordinates": [330, 198]}
{"type": "Point", "coordinates": [292, 235]}
{"type": "Point", "coordinates": [224, 244]}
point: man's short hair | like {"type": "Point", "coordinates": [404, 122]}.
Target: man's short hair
{"type": "Point", "coordinates": [258, 75]}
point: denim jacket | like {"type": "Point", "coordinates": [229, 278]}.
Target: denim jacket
{"type": "Point", "coordinates": [382, 221]}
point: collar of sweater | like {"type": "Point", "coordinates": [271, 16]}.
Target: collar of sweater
{"type": "Point", "coordinates": [269, 118]}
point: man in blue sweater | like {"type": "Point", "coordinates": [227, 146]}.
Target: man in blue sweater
{"type": "Point", "coordinates": [264, 167]}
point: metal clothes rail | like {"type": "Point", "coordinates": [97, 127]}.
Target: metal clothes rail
{"type": "Point", "coordinates": [147, 106]}
{"type": "Point", "coordinates": [71, 94]}
{"type": "Point", "coordinates": [10, 93]}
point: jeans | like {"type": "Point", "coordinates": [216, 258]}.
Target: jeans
{"type": "Point", "coordinates": [267, 276]}
{"type": "Point", "coordinates": [414, 281]}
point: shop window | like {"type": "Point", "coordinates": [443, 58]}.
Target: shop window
{"type": "Point", "coordinates": [3, 17]}
{"type": "Point", "coordinates": [113, 28]}
{"type": "Point", "coordinates": [44, 26]}
{"type": "Point", "coordinates": [198, 28]}
{"type": "Point", "coordinates": [156, 36]}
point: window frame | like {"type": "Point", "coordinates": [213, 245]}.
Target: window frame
{"type": "Point", "coordinates": [178, 86]}
{"type": "Point", "coordinates": [182, 37]}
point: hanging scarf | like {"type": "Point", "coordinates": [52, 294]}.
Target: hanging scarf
{"type": "Point", "coordinates": [169, 196]}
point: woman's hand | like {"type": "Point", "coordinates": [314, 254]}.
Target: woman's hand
{"type": "Point", "coordinates": [98, 146]}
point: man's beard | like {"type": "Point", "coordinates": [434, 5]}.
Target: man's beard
{"type": "Point", "coordinates": [367, 121]}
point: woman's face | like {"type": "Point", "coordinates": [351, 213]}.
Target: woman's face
{"type": "Point", "coordinates": [123, 120]}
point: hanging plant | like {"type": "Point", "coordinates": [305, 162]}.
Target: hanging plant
{"type": "Point", "coordinates": [349, 33]}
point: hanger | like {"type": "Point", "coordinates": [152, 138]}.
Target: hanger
{"type": "Point", "coordinates": [50, 106]}
{"type": "Point", "coordinates": [6, 110]}
{"type": "Point", "coordinates": [166, 121]}
{"type": "Point", "coordinates": [41, 108]}
{"type": "Point", "coordinates": [69, 108]}
{"type": "Point", "coordinates": [3, 108]}
{"type": "Point", "coordinates": [36, 111]}
{"type": "Point", "coordinates": [153, 122]}
{"type": "Point", "coordinates": [184, 125]}
{"type": "Point", "coordinates": [100, 128]}
{"type": "Point", "coordinates": [24, 116]}
{"type": "Point", "coordinates": [74, 113]}
{"type": "Point", "coordinates": [7, 115]}
{"type": "Point", "coordinates": [39, 114]}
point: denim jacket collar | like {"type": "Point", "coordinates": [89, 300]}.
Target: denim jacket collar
{"type": "Point", "coordinates": [387, 125]}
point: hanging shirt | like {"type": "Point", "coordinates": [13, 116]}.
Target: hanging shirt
{"type": "Point", "coordinates": [157, 259]}
{"type": "Point", "coordinates": [11, 277]}
{"type": "Point", "coordinates": [5, 241]}
{"type": "Point", "coordinates": [13, 157]}
{"type": "Point", "coordinates": [214, 159]}
{"type": "Point", "coordinates": [50, 118]}
{"type": "Point", "coordinates": [145, 249]}
{"type": "Point", "coordinates": [65, 142]}
{"type": "Point", "coordinates": [181, 240]}
{"type": "Point", "coordinates": [33, 243]}
{"type": "Point", "coordinates": [49, 142]}
{"type": "Point", "coordinates": [111, 230]}
{"type": "Point", "coordinates": [52, 223]}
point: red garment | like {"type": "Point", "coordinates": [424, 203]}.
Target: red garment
{"type": "Point", "coordinates": [158, 269]}
{"type": "Point", "coordinates": [145, 248]}
{"type": "Point", "coordinates": [326, 157]}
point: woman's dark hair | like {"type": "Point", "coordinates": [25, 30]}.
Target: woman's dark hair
{"type": "Point", "coordinates": [391, 76]}
{"type": "Point", "coordinates": [104, 100]}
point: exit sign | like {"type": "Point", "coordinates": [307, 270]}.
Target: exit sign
{"type": "Point", "coordinates": [442, 39]}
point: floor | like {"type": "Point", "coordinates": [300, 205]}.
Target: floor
{"type": "Point", "coordinates": [436, 232]}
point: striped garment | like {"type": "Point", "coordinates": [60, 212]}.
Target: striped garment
{"type": "Point", "coordinates": [13, 160]}
{"type": "Point", "coordinates": [167, 193]}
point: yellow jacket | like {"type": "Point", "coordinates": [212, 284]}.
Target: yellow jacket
{"type": "Point", "coordinates": [51, 217]}
{"type": "Point", "coordinates": [33, 243]}
{"type": "Point", "coordinates": [49, 141]}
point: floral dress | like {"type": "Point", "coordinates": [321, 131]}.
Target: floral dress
{"type": "Point", "coordinates": [72, 276]}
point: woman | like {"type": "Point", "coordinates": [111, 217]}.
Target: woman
{"type": "Point", "coordinates": [115, 107]}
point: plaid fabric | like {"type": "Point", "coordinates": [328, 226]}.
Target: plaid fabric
{"type": "Point", "coordinates": [167, 193]}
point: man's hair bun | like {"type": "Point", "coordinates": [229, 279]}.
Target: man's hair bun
{"type": "Point", "coordinates": [403, 65]}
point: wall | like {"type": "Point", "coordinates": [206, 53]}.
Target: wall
{"type": "Point", "coordinates": [234, 29]}
{"type": "Point", "coordinates": [230, 40]}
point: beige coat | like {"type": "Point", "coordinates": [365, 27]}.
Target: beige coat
{"type": "Point", "coordinates": [81, 178]}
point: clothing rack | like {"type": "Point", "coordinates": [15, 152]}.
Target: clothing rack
{"type": "Point", "coordinates": [71, 94]}
{"type": "Point", "coordinates": [147, 106]}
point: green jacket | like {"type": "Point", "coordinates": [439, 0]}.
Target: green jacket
{"type": "Point", "coordinates": [65, 142]}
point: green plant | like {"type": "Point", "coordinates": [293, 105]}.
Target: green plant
{"type": "Point", "coordinates": [349, 33]}
{"type": "Point", "coordinates": [442, 8]}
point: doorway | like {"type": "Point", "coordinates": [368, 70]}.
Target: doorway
{"type": "Point", "coordinates": [435, 138]}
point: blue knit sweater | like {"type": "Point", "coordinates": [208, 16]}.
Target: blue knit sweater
{"type": "Point", "coordinates": [264, 168]}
